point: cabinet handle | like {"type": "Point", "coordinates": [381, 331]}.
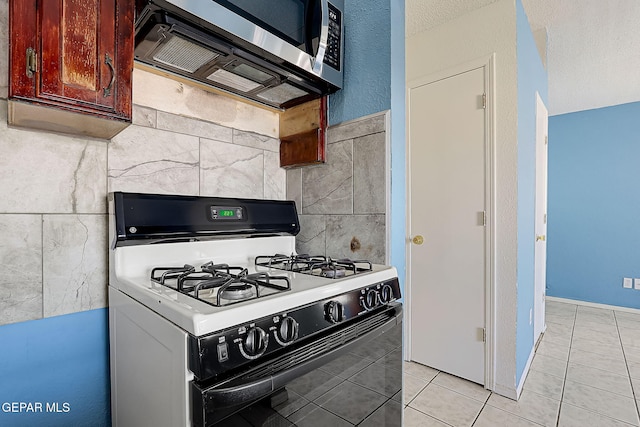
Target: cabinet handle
{"type": "Point", "coordinates": [32, 62]}
{"type": "Point", "coordinates": [107, 90]}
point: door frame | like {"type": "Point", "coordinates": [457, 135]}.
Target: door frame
{"type": "Point", "coordinates": [488, 64]}
{"type": "Point", "coordinates": [539, 325]}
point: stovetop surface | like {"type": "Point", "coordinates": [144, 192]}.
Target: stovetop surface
{"type": "Point", "coordinates": [131, 266]}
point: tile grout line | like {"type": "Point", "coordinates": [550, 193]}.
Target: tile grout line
{"type": "Point", "coordinates": [422, 389]}
{"type": "Point", "coordinates": [626, 363]}
{"type": "Point", "coordinates": [628, 375]}
{"type": "Point", "coordinates": [484, 405]}
{"type": "Point", "coordinates": [484, 402]}
{"type": "Point", "coordinates": [417, 394]}
{"type": "Point", "coordinates": [566, 372]}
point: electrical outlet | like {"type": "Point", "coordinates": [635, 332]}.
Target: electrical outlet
{"type": "Point", "coordinates": [636, 283]}
{"type": "Point", "coordinates": [531, 311]}
{"type": "Point", "coordinates": [627, 283]}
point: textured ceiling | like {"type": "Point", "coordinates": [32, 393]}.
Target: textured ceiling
{"type": "Point", "coordinates": [593, 46]}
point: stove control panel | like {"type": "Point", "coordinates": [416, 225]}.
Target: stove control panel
{"type": "Point", "coordinates": [217, 213]}
{"type": "Point", "coordinates": [229, 349]}
{"type": "Point", "coordinates": [334, 312]}
{"type": "Point", "coordinates": [386, 293]}
{"type": "Point", "coordinates": [254, 343]}
{"type": "Point", "coordinates": [287, 332]}
{"type": "Point", "coordinates": [375, 296]}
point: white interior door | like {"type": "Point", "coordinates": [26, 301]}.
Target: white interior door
{"type": "Point", "coordinates": [447, 184]}
{"type": "Point", "coordinates": [541, 217]}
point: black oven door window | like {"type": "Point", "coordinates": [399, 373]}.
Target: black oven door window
{"type": "Point", "coordinates": [362, 386]}
{"type": "Point", "coordinates": [295, 21]}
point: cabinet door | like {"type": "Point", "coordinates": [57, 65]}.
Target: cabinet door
{"type": "Point", "coordinates": [83, 60]}
{"type": "Point", "coordinates": [78, 52]}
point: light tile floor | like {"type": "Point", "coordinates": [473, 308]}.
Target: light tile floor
{"type": "Point", "coordinates": [585, 373]}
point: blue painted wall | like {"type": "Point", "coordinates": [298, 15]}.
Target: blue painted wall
{"type": "Point", "coordinates": [60, 360]}
{"type": "Point", "coordinates": [367, 62]}
{"type": "Point", "coordinates": [594, 205]}
{"type": "Point", "coordinates": [532, 78]}
{"type": "Point", "coordinates": [374, 81]}
{"type": "Point", "coordinates": [398, 141]}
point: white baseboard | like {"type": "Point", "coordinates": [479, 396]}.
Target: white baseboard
{"type": "Point", "coordinates": [593, 304]}
{"type": "Point", "coordinates": [525, 372]}
{"type": "Point", "coordinates": [509, 392]}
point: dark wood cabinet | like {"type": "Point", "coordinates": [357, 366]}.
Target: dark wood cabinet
{"type": "Point", "coordinates": [71, 64]}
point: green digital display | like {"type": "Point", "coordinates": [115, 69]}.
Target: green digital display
{"type": "Point", "coordinates": [226, 213]}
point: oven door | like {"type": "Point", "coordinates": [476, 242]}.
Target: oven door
{"type": "Point", "coordinates": [345, 376]}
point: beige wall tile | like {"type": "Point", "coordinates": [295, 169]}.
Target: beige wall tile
{"type": "Point", "coordinates": [21, 255]}
{"type": "Point", "coordinates": [369, 174]}
{"type": "Point", "coordinates": [74, 263]}
{"type": "Point", "coordinates": [275, 178]}
{"type": "Point", "coordinates": [328, 188]}
{"type": "Point", "coordinates": [229, 170]}
{"type": "Point", "coordinates": [155, 161]}
{"type": "Point", "coordinates": [50, 173]}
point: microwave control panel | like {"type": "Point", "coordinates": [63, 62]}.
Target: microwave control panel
{"type": "Point", "coordinates": [332, 54]}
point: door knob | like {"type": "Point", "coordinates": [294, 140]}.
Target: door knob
{"type": "Point", "coordinates": [541, 237]}
{"type": "Point", "coordinates": [418, 240]}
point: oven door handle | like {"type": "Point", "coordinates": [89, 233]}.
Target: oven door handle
{"type": "Point", "coordinates": [247, 391]}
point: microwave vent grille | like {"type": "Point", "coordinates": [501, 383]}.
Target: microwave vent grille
{"type": "Point", "coordinates": [233, 80]}
{"type": "Point", "coordinates": [183, 54]}
{"type": "Point", "coordinates": [281, 94]}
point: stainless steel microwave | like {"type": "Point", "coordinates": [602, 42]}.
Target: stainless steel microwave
{"type": "Point", "coordinates": [279, 53]}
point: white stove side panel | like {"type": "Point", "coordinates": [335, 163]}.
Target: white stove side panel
{"type": "Point", "coordinates": [149, 374]}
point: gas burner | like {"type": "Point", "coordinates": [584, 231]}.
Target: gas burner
{"type": "Point", "coordinates": [316, 265]}
{"type": "Point", "coordinates": [237, 292]}
{"type": "Point", "coordinates": [219, 284]}
{"type": "Point", "coordinates": [333, 272]}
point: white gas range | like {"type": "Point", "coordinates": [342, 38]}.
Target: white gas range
{"type": "Point", "coordinates": [209, 304]}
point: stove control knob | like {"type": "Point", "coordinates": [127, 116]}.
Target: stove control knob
{"type": "Point", "coordinates": [386, 294]}
{"type": "Point", "coordinates": [288, 330]}
{"type": "Point", "coordinates": [370, 299]}
{"type": "Point", "coordinates": [255, 343]}
{"type": "Point", "coordinates": [334, 312]}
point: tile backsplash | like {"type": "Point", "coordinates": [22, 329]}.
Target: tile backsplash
{"type": "Point", "coordinates": [342, 203]}
{"type": "Point", "coordinates": [53, 192]}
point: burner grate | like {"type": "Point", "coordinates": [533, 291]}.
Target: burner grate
{"type": "Point", "coordinates": [316, 265]}
{"type": "Point", "coordinates": [170, 273]}
{"type": "Point", "coordinates": [225, 284]}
